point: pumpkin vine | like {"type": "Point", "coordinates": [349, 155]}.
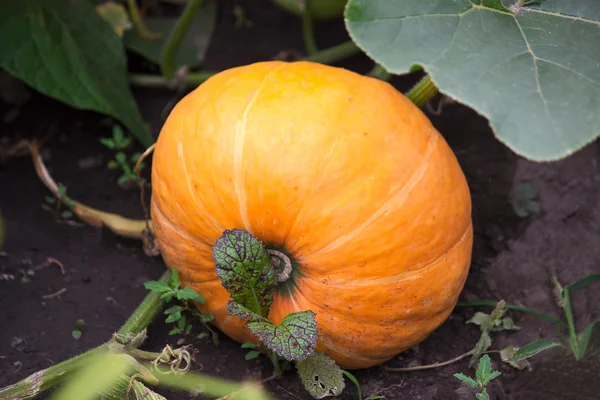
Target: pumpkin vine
{"type": "Point", "coordinates": [251, 273]}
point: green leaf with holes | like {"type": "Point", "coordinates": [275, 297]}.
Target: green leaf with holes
{"type": "Point", "coordinates": [530, 67]}
{"type": "Point", "coordinates": [242, 264]}
{"type": "Point", "coordinates": [321, 376]}
{"type": "Point", "coordinates": [66, 51]}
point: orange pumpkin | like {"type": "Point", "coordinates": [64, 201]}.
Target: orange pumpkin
{"type": "Point", "coordinates": [342, 173]}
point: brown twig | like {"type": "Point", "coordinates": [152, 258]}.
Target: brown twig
{"type": "Point", "coordinates": [121, 226]}
{"type": "Point", "coordinates": [55, 294]}
{"type": "Point", "coordinates": [48, 262]}
{"type": "Point", "coordinates": [430, 366]}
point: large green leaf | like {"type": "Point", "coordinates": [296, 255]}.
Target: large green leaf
{"type": "Point", "coordinates": [533, 70]}
{"type": "Point", "coordinates": [64, 49]}
{"type": "Point", "coordinates": [193, 47]}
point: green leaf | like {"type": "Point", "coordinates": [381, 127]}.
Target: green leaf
{"type": "Point", "coordinates": [294, 339]}
{"type": "Point", "coordinates": [157, 286]}
{"type": "Point", "coordinates": [507, 354]}
{"type": "Point", "coordinates": [585, 336]}
{"type": "Point", "coordinates": [193, 47]}
{"type": "Point", "coordinates": [187, 293]}
{"type": "Point", "coordinates": [584, 282]}
{"type": "Point", "coordinates": [525, 191]}
{"type": "Point", "coordinates": [107, 142]}
{"type": "Point", "coordinates": [466, 379]}
{"type": "Point", "coordinates": [173, 309]}
{"type": "Point", "coordinates": [66, 51]}
{"type": "Point", "coordinates": [534, 348]}
{"type": "Point", "coordinates": [173, 317]}
{"type": "Point", "coordinates": [531, 70]}
{"type": "Point", "coordinates": [174, 279]}
{"type": "Point", "coordinates": [479, 318]}
{"type": "Point", "coordinates": [112, 164]}
{"type": "Point", "coordinates": [248, 345]}
{"type": "Point", "coordinates": [242, 264]}
{"type": "Point", "coordinates": [76, 333]}
{"type": "Point", "coordinates": [252, 354]}
{"type": "Point", "coordinates": [490, 377]}
{"type": "Point", "coordinates": [483, 395]}
{"type": "Point", "coordinates": [484, 368]}
{"type": "Point", "coordinates": [484, 343]}
{"type": "Point", "coordinates": [321, 376]}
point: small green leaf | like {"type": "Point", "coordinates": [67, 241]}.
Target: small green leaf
{"type": "Point", "coordinates": [248, 345]}
{"type": "Point", "coordinates": [484, 368]}
{"type": "Point", "coordinates": [174, 331]}
{"type": "Point", "coordinates": [243, 265]}
{"type": "Point", "coordinates": [534, 348]}
{"type": "Point", "coordinates": [112, 164]}
{"type": "Point", "coordinates": [484, 343]}
{"type": "Point", "coordinates": [50, 199]}
{"type": "Point", "coordinates": [121, 158]}
{"type": "Point", "coordinates": [493, 375]}
{"type": "Point", "coordinates": [251, 355]}
{"type": "Point", "coordinates": [585, 336]}
{"type": "Point", "coordinates": [483, 395]}
{"type": "Point", "coordinates": [507, 354]}
{"type": "Point", "coordinates": [173, 309]}
{"type": "Point", "coordinates": [181, 322]}
{"type": "Point", "coordinates": [174, 279]}
{"type": "Point", "coordinates": [187, 293]}
{"type": "Point", "coordinates": [157, 286]}
{"type": "Point", "coordinates": [466, 379]}
{"type": "Point", "coordinates": [207, 317]}
{"type": "Point", "coordinates": [76, 333]}
{"type": "Point", "coordinates": [584, 282]}
{"type": "Point", "coordinates": [294, 339]}
{"type": "Point", "coordinates": [108, 142]}
{"type": "Point", "coordinates": [65, 50]}
{"type": "Point", "coordinates": [509, 325]}
{"type": "Point", "coordinates": [173, 317]}
{"type": "Point", "coordinates": [478, 318]}
{"type": "Point", "coordinates": [321, 376]}
{"type": "Point", "coordinates": [525, 191]}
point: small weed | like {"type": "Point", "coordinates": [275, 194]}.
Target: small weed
{"type": "Point", "coordinates": [483, 376]}
{"type": "Point", "coordinates": [524, 202]}
{"type": "Point", "coordinates": [357, 384]}
{"type": "Point", "coordinates": [26, 275]}
{"type": "Point", "coordinates": [78, 331]}
{"type": "Point", "coordinates": [55, 204]}
{"type": "Point", "coordinates": [176, 314]}
{"type": "Point", "coordinates": [252, 354]}
{"type": "Point", "coordinates": [119, 143]}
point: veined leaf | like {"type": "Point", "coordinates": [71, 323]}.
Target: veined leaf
{"type": "Point", "coordinates": [243, 265]}
{"type": "Point", "coordinates": [321, 376]}
{"type": "Point", "coordinates": [64, 49]}
{"type": "Point", "coordinates": [531, 69]}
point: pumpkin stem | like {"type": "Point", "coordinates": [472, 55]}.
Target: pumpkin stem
{"type": "Point", "coordinates": [282, 263]}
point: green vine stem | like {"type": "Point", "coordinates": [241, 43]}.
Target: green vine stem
{"type": "Point", "coordinates": [335, 53]}
{"type": "Point", "coordinates": [138, 23]}
{"type": "Point", "coordinates": [40, 381]}
{"type": "Point", "coordinates": [380, 73]}
{"type": "Point", "coordinates": [422, 92]}
{"type": "Point", "coordinates": [177, 34]}
{"type": "Point", "coordinates": [308, 32]}
{"type": "Point", "coordinates": [327, 56]}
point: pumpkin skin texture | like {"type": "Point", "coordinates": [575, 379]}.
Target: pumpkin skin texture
{"type": "Point", "coordinates": [343, 173]}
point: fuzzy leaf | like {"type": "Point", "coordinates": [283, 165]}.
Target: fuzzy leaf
{"type": "Point", "coordinates": [531, 69]}
{"type": "Point", "coordinates": [321, 376]}
{"type": "Point", "coordinates": [242, 264]}
{"type": "Point", "coordinates": [64, 49]}
{"type": "Point", "coordinates": [294, 339]}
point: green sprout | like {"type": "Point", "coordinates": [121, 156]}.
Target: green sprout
{"type": "Point", "coordinates": [119, 143]}
{"type": "Point", "coordinates": [483, 376]}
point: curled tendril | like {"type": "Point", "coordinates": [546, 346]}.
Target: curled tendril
{"type": "Point", "coordinates": [178, 360]}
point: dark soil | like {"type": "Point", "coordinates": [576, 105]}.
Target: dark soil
{"type": "Point", "coordinates": [513, 258]}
